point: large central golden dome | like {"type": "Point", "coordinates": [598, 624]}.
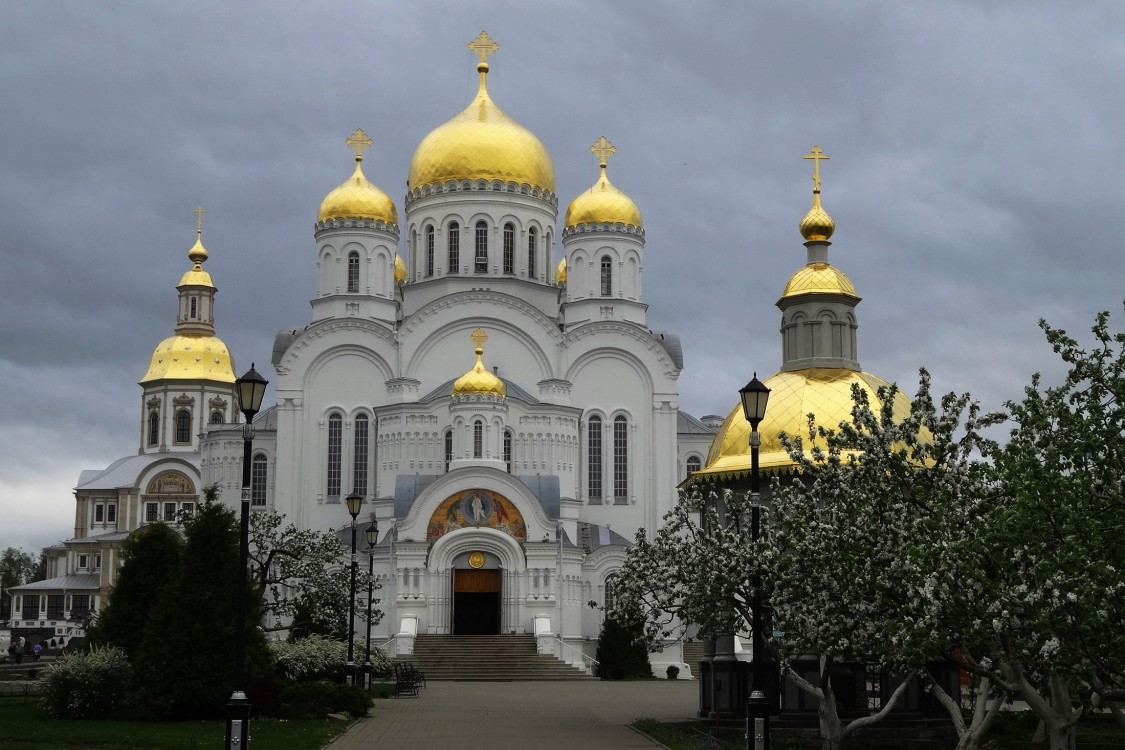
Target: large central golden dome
{"type": "Point", "coordinates": [824, 392]}
{"type": "Point", "coordinates": [482, 143]}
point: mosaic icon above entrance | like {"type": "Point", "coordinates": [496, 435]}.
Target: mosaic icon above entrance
{"type": "Point", "coordinates": [475, 509]}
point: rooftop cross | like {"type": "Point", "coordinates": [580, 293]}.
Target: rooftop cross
{"type": "Point", "coordinates": [816, 156]}
{"type": "Point", "coordinates": [479, 337]}
{"type": "Point", "coordinates": [199, 219]}
{"type": "Point", "coordinates": [603, 148]}
{"type": "Point", "coordinates": [359, 143]}
{"type": "Point", "coordinates": [483, 46]}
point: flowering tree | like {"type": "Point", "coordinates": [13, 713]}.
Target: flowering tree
{"type": "Point", "coordinates": [1053, 630]}
{"type": "Point", "coordinates": [304, 571]}
{"type": "Point", "coordinates": [860, 538]}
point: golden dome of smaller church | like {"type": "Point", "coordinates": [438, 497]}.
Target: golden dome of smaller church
{"type": "Point", "coordinates": [603, 203]}
{"type": "Point", "coordinates": [479, 380]}
{"type": "Point", "coordinates": [560, 272]}
{"type": "Point", "coordinates": [819, 278]}
{"type": "Point", "coordinates": [400, 270]}
{"type": "Point", "coordinates": [357, 197]}
{"type": "Point", "coordinates": [482, 143]}
{"type": "Point", "coordinates": [190, 358]}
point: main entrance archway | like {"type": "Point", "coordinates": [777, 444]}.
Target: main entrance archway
{"type": "Point", "coordinates": [476, 602]}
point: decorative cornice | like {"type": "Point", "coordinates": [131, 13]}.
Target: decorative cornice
{"type": "Point", "coordinates": [493, 186]}
{"type": "Point", "coordinates": [330, 224]}
{"type": "Point", "coordinates": [460, 298]}
{"type": "Point", "coordinates": [602, 227]}
{"type": "Point", "coordinates": [637, 333]}
{"type": "Point", "coordinates": [332, 325]}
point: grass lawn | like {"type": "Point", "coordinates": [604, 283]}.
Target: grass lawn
{"type": "Point", "coordinates": [1010, 732]}
{"type": "Point", "coordinates": [24, 727]}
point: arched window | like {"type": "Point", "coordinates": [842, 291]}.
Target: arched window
{"type": "Point", "coordinates": [607, 276]}
{"type": "Point", "coordinates": [194, 303]}
{"type": "Point", "coordinates": [509, 248]}
{"type": "Point", "coordinates": [429, 251]}
{"type": "Point", "coordinates": [693, 465]}
{"type": "Point", "coordinates": [481, 263]}
{"type": "Point", "coordinates": [620, 460]}
{"type": "Point", "coordinates": [508, 450]}
{"type": "Point", "coordinates": [610, 585]}
{"type": "Point", "coordinates": [216, 417]}
{"type": "Point", "coordinates": [183, 426]}
{"type": "Point", "coordinates": [153, 428]}
{"type": "Point", "coordinates": [353, 271]}
{"type": "Point", "coordinates": [335, 449]}
{"type": "Point", "coordinates": [258, 480]}
{"type": "Point", "coordinates": [454, 247]}
{"type": "Point", "coordinates": [478, 439]}
{"type": "Point", "coordinates": [448, 448]}
{"type": "Point", "coordinates": [594, 458]}
{"type": "Point", "coordinates": [359, 465]}
{"type": "Point", "coordinates": [532, 237]}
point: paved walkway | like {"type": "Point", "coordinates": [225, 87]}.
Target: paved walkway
{"type": "Point", "coordinates": [590, 715]}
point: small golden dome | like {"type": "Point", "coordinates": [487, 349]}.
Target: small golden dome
{"type": "Point", "coordinates": [357, 197]}
{"type": "Point", "coordinates": [400, 270]}
{"type": "Point", "coordinates": [191, 358]}
{"type": "Point", "coordinates": [481, 143]}
{"type": "Point", "coordinates": [196, 276]}
{"type": "Point", "coordinates": [603, 203]}
{"type": "Point", "coordinates": [817, 226]}
{"type": "Point", "coordinates": [560, 272]}
{"type": "Point", "coordinates": [479, 380]}
{"type": "Point", "coordinates": [819, 278]}
{"type": "Point", "coordinates": [824, 392]}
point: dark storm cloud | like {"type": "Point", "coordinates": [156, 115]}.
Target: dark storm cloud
{"type": "Point", "coordinates": [973, 179]}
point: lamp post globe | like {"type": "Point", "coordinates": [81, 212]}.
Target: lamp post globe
{"type": "Point", "coordinates": [754, 396]}
{"type": "Point", "coordinates": [372, 535]}
{"type": "Point", "coordinates": [251, 389]}
{"type": "Point", "coordinates": [354, 502]}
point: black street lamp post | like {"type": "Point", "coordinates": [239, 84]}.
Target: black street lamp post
{"type": "Point", "coordinates": [354, 502]}
{"type": "Point", "coordinates": [372, 539]}
{"type": "Point", "coordinates": [251, 388]}
{"type": "Point", "coordinates": [754, 397]}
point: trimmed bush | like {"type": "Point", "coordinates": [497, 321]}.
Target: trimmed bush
{"type": "Point", "coordinates": [673, 672]}
{"type": "Point", "coordinates": [90, 685]}
{"type": "Point", "coordinates": [621, 651]}
{"type": "Point", "coordinates": [309, 658]}
{"type": "Point", "coordinates": [315, 699]}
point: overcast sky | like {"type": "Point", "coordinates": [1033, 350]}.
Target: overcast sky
{"type": "Point", "coordinates": [974, 148]}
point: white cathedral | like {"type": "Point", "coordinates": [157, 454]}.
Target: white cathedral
{"type": "Point", "coordinates": [504, 410]}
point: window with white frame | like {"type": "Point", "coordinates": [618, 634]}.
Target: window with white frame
{"type": "Point", "coordinates": [478, 439]}
{"type": "Point", "coordinates": [594, 458]}
{"type": "Point", "coordinates": [359, 463]}
{"type": "Point", "coordinates": [153, 428]}
{"type": "Point", "coordinates": [620, 460]}
{"type": "Point", "coordinates": [429, 251]}
{"type": "Point", "coordinates": [99, 513]}
{"type": "Point", "coordinates": [607, 276]}
{"type": "Point", "coordinates": [480, 262]}
{"type": "Point", "coordinates": [353, 271]}
{"type": "Point", "coordinates": [152, 512]}
{"type": "Point", "coordinates": [509, 248]}
{"type": "Point", "coordinates": [83, 562]}
{"type": "Point", "coordinates": [183, 426]}
{"type": "Point", "coordinates": [111, 513]}
{"type": "Point", "coordinates": [448, 448]}
{"type": "Point", "coordinates": [532, 240]}
{"type": "Point", "coordinates": [693, 465]}
{"type": "Point", "coordinates": [216, 417]}
{"type": "Point", "coordinates": [610, 585]}
{"type": "Point", "coordinates": [335, 453]}
{"type": "Point", "coordinates": [508, 450]}
{"type": "Point", "coordinates": [98, 561]}
{"type": "Point", "coordinates": [453, 247]}
{"type": "Point", "coordinates": [258, 474]}
{"type": "Point", "coordinates": [169, 512]}
{"type": "Point", "coordinates": [187, 509]}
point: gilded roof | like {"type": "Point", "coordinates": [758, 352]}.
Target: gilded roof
{"type": "Point", "coordinates": [196, 276]}
{"type": "Point", "coordinates": [819, 278]}
{"type": "Point", "coordinates": [358, 198]}
{"type": "Point", "coordinates": [481, 143]}
{"type": "Point", "coordinates": [479, 380]}
{"type": "Point", "coordinates": [400, 270]}
{"type": "Point", "coordinates": [191, 358]}
{"type": "Point", "coordinates": [824, 392]}
{"type": "Point", "coordinates": [817, 226]}
{"type": "Point", "coordinates": [560, 272]}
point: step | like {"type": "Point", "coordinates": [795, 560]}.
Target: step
{"type": "Point", "coordinates": [487, 658]}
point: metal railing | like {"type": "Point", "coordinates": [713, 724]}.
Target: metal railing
{"type": "Point", "coordinates": [391, 652]}
{"type": "Point", "coordinates": [589, 663]}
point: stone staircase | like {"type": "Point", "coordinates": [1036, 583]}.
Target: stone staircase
{"type": "Point", "coordinates": [490, 658]}
{"type": "Point", "coordinates": [693, 652]}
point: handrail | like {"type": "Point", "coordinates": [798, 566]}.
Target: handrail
{"type": "Point", "coordinates": [392, 639]}
{"type": "Point", "coordinates": [589, 661]}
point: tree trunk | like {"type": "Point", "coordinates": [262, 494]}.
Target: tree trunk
{"type": "Point", "coordinates": [1060, 738]}
{"type": "Point", "coordinates": [831, 731]}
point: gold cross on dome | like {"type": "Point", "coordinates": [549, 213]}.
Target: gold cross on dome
{"type": "Point", "coordinates": [199, 219]}
{"type": "Point", "coordinates": [479, 337]}
{"type": "Point", "coordinates": [816, 156]}
{"type": "Point", "coordinates": [603, 148]}
{"type": "Point", "coordinates": [359, 142]}
{"type": "Point", "coordinates": [483, 46]}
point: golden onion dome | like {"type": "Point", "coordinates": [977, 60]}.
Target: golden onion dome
{"type": "Point", "coordinates": [560, 272]}
{"type": "Point", "coordinates": [196, 276]}
{"type": "Point", "coordinates": [185, 357]}
{"type": "Point", "coordinates": [817, 226]}
{"type": "Point", "coordinates": [479, 380]}
{"type": "Point", "coordinates": [819, 278]}
{"type": "Point", "coordinates": [603, 203]}
{"type": "Point", "coordinates": [357, 197]}
{"type": "Point", "coordinates": [823, 392]}
{"type": "Point", "coordinates": [482, 143]}
{"type": "Point", "coordinates": [400, 270]}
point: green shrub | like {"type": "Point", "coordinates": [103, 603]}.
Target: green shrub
{"type": "Point", "coordinates": [621, 652]}
{"type": "Point", "coordinates": [309, 658]}
{"type": "Point", "coordinates": [673, 672]}
{"type": "Point", "coordinates": [90, 685]}
{"type": "Point", "coordinates": [314, 699]}
{"type": "Point", "coordinates": [382, 665]}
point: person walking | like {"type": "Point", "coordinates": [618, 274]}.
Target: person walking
{"type": "Point", "coordinates": [37, 650]}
